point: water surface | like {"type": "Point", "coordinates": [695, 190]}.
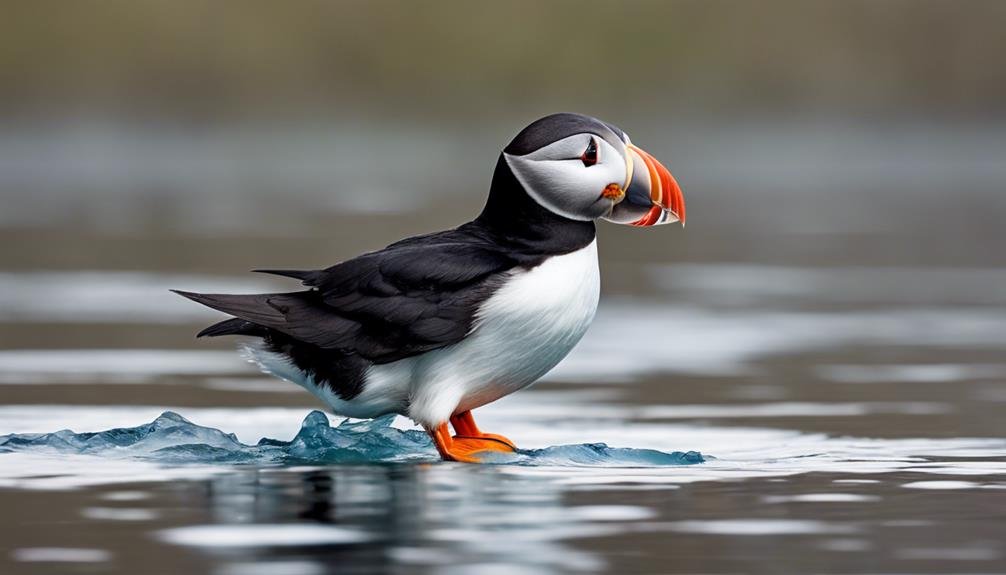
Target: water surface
{"type": "Point", "coordinates": [833, 350]}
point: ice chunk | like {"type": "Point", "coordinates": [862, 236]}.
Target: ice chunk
{"type": "Point", "coordinates": [173, 439]}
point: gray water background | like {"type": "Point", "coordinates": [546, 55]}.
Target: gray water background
{"type": "Point", "coordinates": [830, 325]}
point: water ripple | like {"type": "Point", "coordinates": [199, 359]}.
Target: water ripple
{"type": "Point", "coordinates": [173, 439]}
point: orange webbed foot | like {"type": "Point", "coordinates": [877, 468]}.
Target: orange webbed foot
{"type": "Point", "coordinates": [470, 448]}
{"type": "Point", "coordinates": [464, 425]}
{"type": "Point", "coordinates": [469, 441]}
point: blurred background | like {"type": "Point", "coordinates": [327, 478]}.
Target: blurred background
{"type": "Point", "coordinates": [158, 134]}
{"type": "Point", "coordinates": [844, 164]}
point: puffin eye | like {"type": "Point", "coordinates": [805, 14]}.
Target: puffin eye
{"type": "Point", "coordinates": [589, 156]}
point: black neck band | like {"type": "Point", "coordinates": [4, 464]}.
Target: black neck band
{"type": "Point", "coordinates": [515, 219]}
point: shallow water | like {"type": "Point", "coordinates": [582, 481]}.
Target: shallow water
{"type": "Point", "coordinates": [850, 439]}
{"type": "Point", "coordinates": [837, 359]}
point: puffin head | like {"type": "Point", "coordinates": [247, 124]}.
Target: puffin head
{"type": "Point", "coordinates": [582, 168]}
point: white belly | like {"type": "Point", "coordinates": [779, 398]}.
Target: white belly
{"type": "Point", "coordinates": [521, 332]}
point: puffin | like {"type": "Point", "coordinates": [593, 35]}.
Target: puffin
{"type": "Point", "coordinates": [435, 326]}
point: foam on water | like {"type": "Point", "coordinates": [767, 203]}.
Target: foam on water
{"type": "Point", "coordinates": [173, 439]}
{"type": "Point", "coordinates": [120, 448]}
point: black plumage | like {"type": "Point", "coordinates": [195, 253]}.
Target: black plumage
{"type": "Point", "coordinates": [408, 298]}
{"type": "Point", "coordinates": [414, 296]}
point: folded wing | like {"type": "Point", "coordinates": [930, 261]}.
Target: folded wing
{"type": "Point", "coordinates": [414, 296]}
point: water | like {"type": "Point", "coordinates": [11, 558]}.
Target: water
{"type": "Point", "coordinates": [837, 359]}
{"type": "Point", "coordinates": [839, 433]}
{"type": "Point", "coordinates": [173, 439]}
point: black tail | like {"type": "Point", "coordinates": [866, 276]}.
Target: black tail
{"type": "Point", "coordinates": [302, 275]}
{"type": "Point", "coordinates": [246, 307]}
{"type": "Point", "coordinates": [234, 326]}
{"type": "Point", "coordinates": [251, 307]}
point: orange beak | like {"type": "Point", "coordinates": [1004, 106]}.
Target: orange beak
{"type": "Point", "coordinates": [652, 196]}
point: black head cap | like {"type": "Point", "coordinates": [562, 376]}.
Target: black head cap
{"type": "Point", "coordinates": [555, 127]}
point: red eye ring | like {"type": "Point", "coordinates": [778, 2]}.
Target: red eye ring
{"type": "Point", "coordinates": [589, 156]}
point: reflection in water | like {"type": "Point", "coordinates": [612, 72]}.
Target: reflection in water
{"type": "Point", "coordinates": [399, 514]}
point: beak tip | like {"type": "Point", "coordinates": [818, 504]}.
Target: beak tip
{"type": "Point", "coordinates": [653, 196]}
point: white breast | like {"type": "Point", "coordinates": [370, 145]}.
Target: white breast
{"type": "Point", "coordinates": [520, 333]}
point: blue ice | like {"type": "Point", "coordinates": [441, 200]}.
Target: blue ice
{"type": "Point", "coordinates": [173, 439]}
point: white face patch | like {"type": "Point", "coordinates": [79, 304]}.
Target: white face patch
{"type": "Point", "coordinates": [556, 177]}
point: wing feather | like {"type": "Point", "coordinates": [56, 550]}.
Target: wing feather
{"type": "Point", "coordinates": [414, 296]}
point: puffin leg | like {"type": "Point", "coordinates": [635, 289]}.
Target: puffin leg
{"type": "Point", "coordinates": [464, 426]}
{"type": "Point", "coordinates": [444, 443]}
{"type": "Point", "coordinates": [463, 449]}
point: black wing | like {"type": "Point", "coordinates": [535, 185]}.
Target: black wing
{"type": "Point", "coordinates": [414, 296]}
